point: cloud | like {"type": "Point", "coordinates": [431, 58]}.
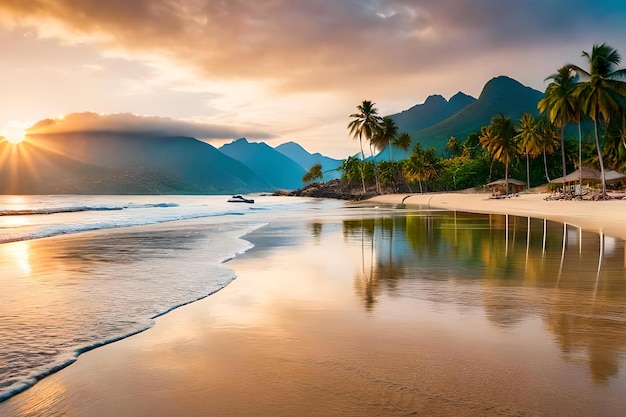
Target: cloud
{"type": "Point", "coordinates": [303, 45]}
{"type": "Point", "coordinates": [127, 123]}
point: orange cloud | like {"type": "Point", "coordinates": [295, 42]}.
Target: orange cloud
{"type": "Point", "coordinates": [303, 44]}
{"type": "Point", "coordinates": [127, 123]}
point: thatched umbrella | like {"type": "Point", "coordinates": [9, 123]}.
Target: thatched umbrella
{"type": "Point", "coordinates": [502, 183]}
{"type": "Point", "coordinates": [584, 174]}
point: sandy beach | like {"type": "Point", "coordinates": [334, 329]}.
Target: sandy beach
{"type": "Point", "coordinates": [307, 329]}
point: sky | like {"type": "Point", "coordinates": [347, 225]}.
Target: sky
{"type": "Point", "coordinates": [274, 70]}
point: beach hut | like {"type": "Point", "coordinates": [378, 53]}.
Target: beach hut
{"type": "Point", "coordinates": [585, 173]}
{"type": "Point", "coordinates": [611, 177]}
{"type": "Point", "coordinates": [498, 187]}
{"type": "Point", "coordinates": [589, 175]}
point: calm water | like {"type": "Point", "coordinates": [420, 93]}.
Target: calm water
{"type": "Point", "coordinates": [524, 276]}
{"type": "Point", "coordinates": [59, 299]}
{"type": "Point", "coordinates": [548, 287]}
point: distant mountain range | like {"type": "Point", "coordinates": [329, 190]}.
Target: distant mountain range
{"type": "Point", "coordinates": [115, 163]}
{"type": "Point", "coordinates": [463, 114]}
{"type": "Point", "coordinates": [306, 160]}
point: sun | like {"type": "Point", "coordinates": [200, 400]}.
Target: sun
{"type": "Point", "coordinates": [14, 131]}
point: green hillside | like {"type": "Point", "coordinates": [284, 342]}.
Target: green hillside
{"type": "Point", "coordinates": [500, 95]}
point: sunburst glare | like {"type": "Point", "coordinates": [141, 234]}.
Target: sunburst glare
{"type": "Point", "coordinates": [14, 131]}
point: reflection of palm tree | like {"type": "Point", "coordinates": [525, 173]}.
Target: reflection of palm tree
{"type": "Point", "coordinates": [559, 103]}
{"type": "Point", "coordinates": [600, 96]}
{"type": "Point", "coordinates": [364, 125]}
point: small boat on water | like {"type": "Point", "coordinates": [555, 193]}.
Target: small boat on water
{"type": "Point", "coordinates": [240, 199]}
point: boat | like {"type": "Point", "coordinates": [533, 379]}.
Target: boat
{"type": "Point", "coordinates": [240, 199]}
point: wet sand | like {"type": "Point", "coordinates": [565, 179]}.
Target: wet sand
{"type": "Point", "coordinates": [291, 336]}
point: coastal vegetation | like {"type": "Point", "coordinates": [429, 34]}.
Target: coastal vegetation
{"type": "Point", "coordinates": [538, 146]}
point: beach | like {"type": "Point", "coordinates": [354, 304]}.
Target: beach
{"type": "Point", "coordinates": [375, 310]}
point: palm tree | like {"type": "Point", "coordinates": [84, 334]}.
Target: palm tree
{"type": "Point", "coordinates": [600, 95]}
{"type": "Point", "coordinates": [421, 165]}
{"type": "Point", "coordinates": [614, 150]}
{"type": "Point", "coordinates": [386, 135]}
{"type": "Point", "coordinates": [560, 103]}
{"type": "Point", "coordinates": [499, 139]}
{"type": "Point", "coordinates": [487, 134]}
{"type": "Point", "coordinates": [314, 173]}
{"type": "Point", "coordinates": [528, 136]}
{"type": "Point", "coordinates": [403, 141]}
{"type": "Point", "coordinates": [548, 142]}
{"type": "Point", "coordinates": [364, 125]}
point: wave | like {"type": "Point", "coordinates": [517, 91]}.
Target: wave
{"type": "Point", "coordinates": [67, 229]}
{"type": "Point", "coordinates": [76, 209]}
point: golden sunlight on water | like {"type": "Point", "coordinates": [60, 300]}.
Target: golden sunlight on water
{"type": "Point", "coordinates": [419, 314]}
{"type": "Point", "coordinates": [17, 255]}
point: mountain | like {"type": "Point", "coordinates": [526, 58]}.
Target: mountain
{"type": "Point", "coordinates": [306, 160]}
{"type": "Point", "coordinates": [107, 163]}
{"type": "Point", "coordinates": [500, 95]}
{"type": "Point", "coordinates": [434, 110]}
{"type": "Point", "coordinates": [274, 167]}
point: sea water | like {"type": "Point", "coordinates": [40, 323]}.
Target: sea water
{"type": "Point", "coordinates": [63, 296]}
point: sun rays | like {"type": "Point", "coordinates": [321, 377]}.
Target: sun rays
{"type": "Point", "coordinates": [14, 131]}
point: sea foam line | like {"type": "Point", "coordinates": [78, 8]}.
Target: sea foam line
{"type": "Point", "coordinates": [76, 209]}
{"type": "Point", "coordinates": [32, 379]}
{"type": "Point", "coordinates": [65, 229]}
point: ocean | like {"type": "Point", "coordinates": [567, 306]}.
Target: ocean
{"type": "Point", "coordinates": [107, 278]}
{"type": "Point", "coordinates": [360, 310]}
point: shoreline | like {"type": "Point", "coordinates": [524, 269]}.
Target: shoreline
{"type": "Point", "coordinates": [597, 216]}
{"type": "Point", "coordinates": [265, 337]}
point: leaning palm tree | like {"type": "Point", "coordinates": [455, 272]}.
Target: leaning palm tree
{"type": "Point", "coordinates": [560, 103]}
{"type": "Point", "coordinates": [364, 126]}
{"type": "Point", "coordinates": [528, 137]}
{"type": "Point", "coordinates": [499, 140]}
{"type": "Point", "coordinates": [600, 95]}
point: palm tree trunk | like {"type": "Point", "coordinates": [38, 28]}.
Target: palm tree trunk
{"type": "Point", "coordinates": [421, 189]}
{"type": "Point", "coordinates": [595, 131]}
{"type": "Point", "coordinates": [528, 169]}
{"type": "Point", "coordinates": [491, 168]}
{"type": "Point", "coordinates": [580, 156]}
{"type": "Point", "coordinates": [362, 164]}
{"type": "Point", "coordinates": [545, 165]}
{"type": "Point", "coordinates": [506, 177]}
{"type": "Point", "coordinates": [375, 170]}
{"type": "Point", "coordinates": [563, 150]}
